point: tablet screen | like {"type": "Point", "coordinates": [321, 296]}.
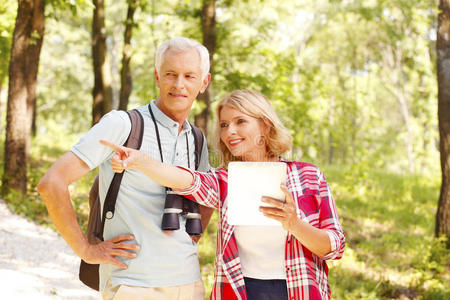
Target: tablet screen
{"type": "Point", "coordinates": [247, 183]}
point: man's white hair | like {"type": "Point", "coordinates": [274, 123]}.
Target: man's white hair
{"type": "Point", "coordinates": [181, 44]}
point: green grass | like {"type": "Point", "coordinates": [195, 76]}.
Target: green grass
{"type": "Point", "coordinates": [389, 223]}
{"type": "Point", "coordinates": [388, 220]}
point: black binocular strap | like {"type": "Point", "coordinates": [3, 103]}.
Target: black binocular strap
{"type": "Point", "coordinates": [157, 132]}
{"type": "Point", "coordinates": [159, 140]}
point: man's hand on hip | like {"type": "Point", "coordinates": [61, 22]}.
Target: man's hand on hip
{"type": "Point", "coordinates": [107, 251]}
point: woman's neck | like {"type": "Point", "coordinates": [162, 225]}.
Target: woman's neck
{"type": "Point", "coordinates": [262, 156]}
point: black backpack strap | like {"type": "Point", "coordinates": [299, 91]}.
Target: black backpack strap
{"type": "Point", "coordinates": [137, 130]}
{"type": "Point", "coordinates": [198, 141]}
{"type": "Point", "coordinates": [134, 141]}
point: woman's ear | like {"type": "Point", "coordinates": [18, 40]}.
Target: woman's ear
{"type": "Point", "coordinates": [267, 125]}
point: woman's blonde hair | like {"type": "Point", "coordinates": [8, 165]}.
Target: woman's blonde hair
{"type": "Point", "coordinates": [277, 139]}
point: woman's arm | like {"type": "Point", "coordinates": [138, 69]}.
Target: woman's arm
{"type": "Point", "coordinates": [205, 188]}
{"type": "Point", "coordinates": [315, 239]}
{"type": "Point", "coordinates": [164, 174]}
{"type": "Point", "coordinates": [202, 188]}
{"type": "Point", "coordinates": [329, 220]}
{"type": "Point", "coordinates": [326, 241]}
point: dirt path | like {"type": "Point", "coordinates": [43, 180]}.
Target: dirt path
{"type": "Point", "coordinates": [36, 263]}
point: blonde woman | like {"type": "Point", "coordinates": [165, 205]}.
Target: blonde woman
{"type": "Point", "coordinates": [254, 262]}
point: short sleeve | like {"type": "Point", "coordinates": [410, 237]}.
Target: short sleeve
{"type": "Point", "coordinates": [114, 127]}
{"type": "Point", "coordinates": [329, 220]}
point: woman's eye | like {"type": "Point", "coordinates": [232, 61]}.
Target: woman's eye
{"type": "Point", "coordinates": [240, 121]}
{"type": "Point", "coordinates": [223, 125]}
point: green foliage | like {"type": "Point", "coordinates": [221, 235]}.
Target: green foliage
{"type": "Point", "coordinates": [64, 91]}
{"type": "Point", "coordinates": [388, 220]}
{"type": "Point", "coordinates": [57, 6]}
{"type": "Point", "coordinates": [8, 10]}
{"type": "Point", "coordinates": [334, 70]}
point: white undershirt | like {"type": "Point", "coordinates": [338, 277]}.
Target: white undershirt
{"type": "Point", "coordinates": [261, 250]}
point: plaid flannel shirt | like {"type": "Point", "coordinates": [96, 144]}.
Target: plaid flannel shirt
{"type": "Point", "coordinates": [306, 273]}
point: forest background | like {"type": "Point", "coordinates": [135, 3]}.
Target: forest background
{"type": "Point", "coordinates": [354, 81]}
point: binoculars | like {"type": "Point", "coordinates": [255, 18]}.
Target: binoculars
{"type": "Point", "coordinates": [176, 205]}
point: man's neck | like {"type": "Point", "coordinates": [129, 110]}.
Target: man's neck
{"type": "Point", "coordinates": [178, 117]}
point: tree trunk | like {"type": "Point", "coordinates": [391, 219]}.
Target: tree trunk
{"type": "Point", "coordinates": [102, 92]}
{"type": "Point", "coordinates": [23, 68]}
{"type": "Point", "coordinates": [209, 40]}
{"type": "Point", "coordinates": [443, 74]}
{"type": "Point", "coordinates": [126, 83]}
{"type": "Point", "coordinates": [33, 121]}
{"type": "Point", "coordinates": [34, 52]}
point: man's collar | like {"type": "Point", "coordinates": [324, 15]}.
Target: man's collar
{"type": "Point", "coordinates": [165, 120]}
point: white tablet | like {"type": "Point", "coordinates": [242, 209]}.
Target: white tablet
{"type": "Point", "coordinates": [247, 183]}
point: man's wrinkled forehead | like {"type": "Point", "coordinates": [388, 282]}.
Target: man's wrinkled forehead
{"type": "Point", "coordinates": [171, 60]}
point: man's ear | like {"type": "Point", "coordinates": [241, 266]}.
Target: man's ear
{"type": "Point", "coordinates": [156, 78]}
{"type": "Point", "coordinates": [205, 83]}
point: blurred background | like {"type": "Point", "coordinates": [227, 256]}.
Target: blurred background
{"type": "Point", "coordinates": [355, 82]}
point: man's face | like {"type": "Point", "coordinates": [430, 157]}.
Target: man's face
{"type": "Point", "coordinates": [180, 81]}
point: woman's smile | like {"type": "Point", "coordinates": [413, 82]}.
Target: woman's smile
{"type": "Point", "coordinates": [235, 142]}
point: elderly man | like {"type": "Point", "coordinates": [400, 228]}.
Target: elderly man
{"type": "Point", "coordinates": [137, 259]}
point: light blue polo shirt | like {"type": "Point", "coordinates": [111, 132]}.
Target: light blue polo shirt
{"type": "Point", "coordinates": [162, 260]}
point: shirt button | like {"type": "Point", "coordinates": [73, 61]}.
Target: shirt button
{"type": "Point", "coordinates": [177, 153]}
{"type": "Point", "coordinates": [288, 268]}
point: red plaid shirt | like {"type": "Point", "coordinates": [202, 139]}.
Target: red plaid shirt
{"type": "Point", "coordinates": [306, 273]}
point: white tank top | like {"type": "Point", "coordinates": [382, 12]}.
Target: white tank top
{"type": "Point", "coordinates": [261, 250]}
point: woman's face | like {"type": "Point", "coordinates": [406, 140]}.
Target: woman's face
{"type": "Point", "coordinates": [242, 134]}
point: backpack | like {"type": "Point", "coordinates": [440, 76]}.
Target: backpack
{"type": "Point", "coordinates": [89, 273]}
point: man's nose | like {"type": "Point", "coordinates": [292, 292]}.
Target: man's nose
{"type": "Point", "coordinates": [179, 82]}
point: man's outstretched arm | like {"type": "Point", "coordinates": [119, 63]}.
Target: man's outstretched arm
{"type": "Point", "coordinates": [54, 190]}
